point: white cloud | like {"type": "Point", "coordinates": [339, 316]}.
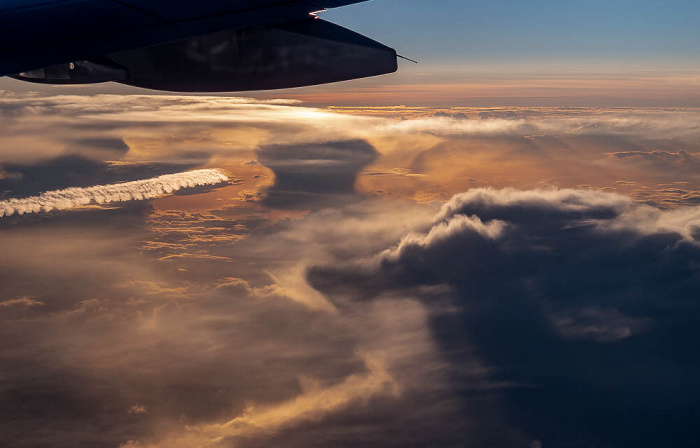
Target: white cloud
{"type": "Point", "coordinates": [103, 194]}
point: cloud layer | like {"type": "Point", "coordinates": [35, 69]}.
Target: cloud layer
{"type": "Point", "coordinates": [385, 277]}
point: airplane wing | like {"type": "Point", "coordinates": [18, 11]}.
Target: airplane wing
{"type": "Point", "coordinates": [184, 45]}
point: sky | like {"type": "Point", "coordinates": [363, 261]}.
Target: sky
{"type": "Point", "coordinates": [498, 247]}
{"type": "Point", "coordinates": [620, 53]}
{"type": "Point", "coordinates": [591, 34]}
{"type": "Point", "coordinates": [514, 53]}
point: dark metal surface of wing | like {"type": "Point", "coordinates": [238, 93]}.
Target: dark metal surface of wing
{"type": "Point", "coordinates": [256, 58]}
{"type": "Point", "coordinates": [185, 45]}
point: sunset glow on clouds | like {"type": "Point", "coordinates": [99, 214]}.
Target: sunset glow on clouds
{"type": "Point", "coordinates": [382, 276]}
{"type": "Point", "coordinates": [516, 86]}
{"type": "Point", "coordinates": [496, 247]}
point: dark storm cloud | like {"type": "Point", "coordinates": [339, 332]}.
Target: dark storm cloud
{"type": "Point", "coordinates": [112, 145]}
{"type": "Point", "coordinates": [581, 304]}
{"type": "Point", "coordinates": [315, 174]}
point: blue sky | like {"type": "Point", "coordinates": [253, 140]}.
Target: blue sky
{"type": "Point", "coordinates": [597, 33]}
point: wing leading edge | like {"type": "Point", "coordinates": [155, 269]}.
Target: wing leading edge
{"type": "Point", "coordinates": [186, 46]}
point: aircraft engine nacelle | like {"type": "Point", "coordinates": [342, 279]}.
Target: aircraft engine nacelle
{"type": "Point", "coordinates": [295, 54]}
{"type": "Point", "coordinates": [79, 72]}
{"type": "Point", "coordinates": [301, 53]}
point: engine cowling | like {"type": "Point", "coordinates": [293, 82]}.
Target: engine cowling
{"type": "Point", "coordinates": [79, 72]}
{"type": "Point", "coordinates": [297, 54]}
{"type": "Point", "coordinates": [301, 53]}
